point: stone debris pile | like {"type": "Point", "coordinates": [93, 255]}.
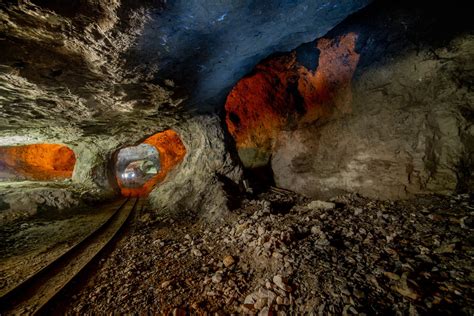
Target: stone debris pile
{"type": "Point", "coordinates": [282, 254]}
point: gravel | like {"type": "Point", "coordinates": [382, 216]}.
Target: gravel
{"type": "Point", "coordinates": [275, 254]}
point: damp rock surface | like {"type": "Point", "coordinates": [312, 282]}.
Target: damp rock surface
{"type": "Point", "coordinates": [366, 256]}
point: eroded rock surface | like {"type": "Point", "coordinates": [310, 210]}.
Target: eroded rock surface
{"type": "Point", "coordinates": [99, 75]}
{"type": "Point", "coordinates": [195, 184]}
{"type": "Point", "coordinates": [410, 129]}
{"type": "Point", "coordinates": [382, 105]}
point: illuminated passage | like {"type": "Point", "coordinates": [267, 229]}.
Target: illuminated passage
{"type": "Point", "coordinates": [139, 168]}
{"type": "Point", "coordinates": [41, 162]}
{"type": "Point", "coordinates": [282, 93]}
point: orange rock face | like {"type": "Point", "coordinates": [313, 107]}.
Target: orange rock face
{"type": "Point", "coordinates": [257, 108]}
{"type": "Point", "coordinates": [329, 88]}
{"type": "Point", "coordinates": [282, 94]}
{"type": "Point", "coordinates": [39, 161]}
{"type": "Point", "coordinates": [172, 152]}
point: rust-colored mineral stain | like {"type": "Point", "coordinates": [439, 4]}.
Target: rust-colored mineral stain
{"type": "Point", "coordinates": [329, 88]}
{"type": "Point", "coordinates": [39, 161]}
{"type": "Point", "coordinates": [172, 152]}
{"type": "Point", "coordinates": [257, 106]}
{"type": "Point", "coordinates": [281, 93]}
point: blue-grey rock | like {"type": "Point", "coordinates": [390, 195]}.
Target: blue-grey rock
{"type": "Point", "coordinates": [206, 46]}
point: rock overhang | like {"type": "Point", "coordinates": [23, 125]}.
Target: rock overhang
{"type": "Point", "coordinates": [105, 64]}
{"type": "Point", "coordinates": [206, 47]}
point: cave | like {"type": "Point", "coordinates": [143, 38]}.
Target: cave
{"type": "Point", "coordinates": [138, 169]}
{"type": "Point", "coordinates": [36, 162]}
{"type": "Point", "coordinates": [260, 157]}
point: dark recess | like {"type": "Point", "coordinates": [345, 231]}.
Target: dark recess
{"type": "Point", "coordinates": [306, 56]}
{"type": "Point", "coordinates": [260, 179]}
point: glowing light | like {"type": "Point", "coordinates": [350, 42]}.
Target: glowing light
{"type": "Point", "coordinates": [172, 152]}
{"type": "Point", "coordinates": [39, 161]}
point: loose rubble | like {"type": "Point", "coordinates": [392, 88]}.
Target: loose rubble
{"type": "Point", "coordinates": [282, 254]}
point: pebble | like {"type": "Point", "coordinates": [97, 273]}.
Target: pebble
{"type": "Point", "coordinates": [196, 252]}
{"type": "Point", "coordinates": [217, 277]}
{"type": "Point", "coordinates": [261, 302]}
{"type": "Point", "coordinates": [228, 261]}
{"type": "Point", "coordinates": [321, 205]}
{"type": "Point", "coordinates": [280, 282]}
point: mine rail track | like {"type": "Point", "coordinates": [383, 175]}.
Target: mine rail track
{"type": "Point", "coordinates": [33, 294]}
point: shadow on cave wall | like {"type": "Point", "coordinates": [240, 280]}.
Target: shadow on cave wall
{"type": "Point", "coordinates": [390, 26]}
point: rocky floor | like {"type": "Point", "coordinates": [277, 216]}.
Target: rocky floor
{"type": "Point", "coordinates": [283, 254]}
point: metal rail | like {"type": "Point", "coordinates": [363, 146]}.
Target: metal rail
{"type": "Point", "coordinates": [33, 294]}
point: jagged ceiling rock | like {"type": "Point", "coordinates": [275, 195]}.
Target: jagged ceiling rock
{"type": "Point", "coordinates": [98, 65]}
{"type": "Point", "coordinates": [62, 66]}
{"type": "Point", "coordinates": [207, 46]}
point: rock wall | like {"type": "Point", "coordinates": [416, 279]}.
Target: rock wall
{"type": "Point", "coordinates": [282, 93]}
{"type": "Point", "coordinates": [406, 135]}
{"type": "Point", "coordinates": [197, 183]}
{"type": "Point", "coordinates": [382, 106]}
{"type": "Point", "coordinates": [27, 201]}
{"type": "Point", "coordinates": [410, 129]}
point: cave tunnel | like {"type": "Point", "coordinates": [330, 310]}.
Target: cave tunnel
{"type": "Point", "coordinates": [260, 157]}
{"type": "Point", "coordinates": [283, 94]}
{"type": "Point", "coordinates": [36, 162]}
{"type": "Point", "coordinates": [139, 168]}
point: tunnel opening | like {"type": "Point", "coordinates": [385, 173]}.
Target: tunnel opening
{"type": "Point", "coordinates": [285, 92]}
{"type": "Point", "coordinates": [36, 162]}
{"type": "Point", "coordinates": [138, 169]}
{"type": "Point", "coordinates": [137, 164]}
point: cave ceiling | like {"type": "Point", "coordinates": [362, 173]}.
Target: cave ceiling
{"type": "Point", "coordinates": [109, 67]}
